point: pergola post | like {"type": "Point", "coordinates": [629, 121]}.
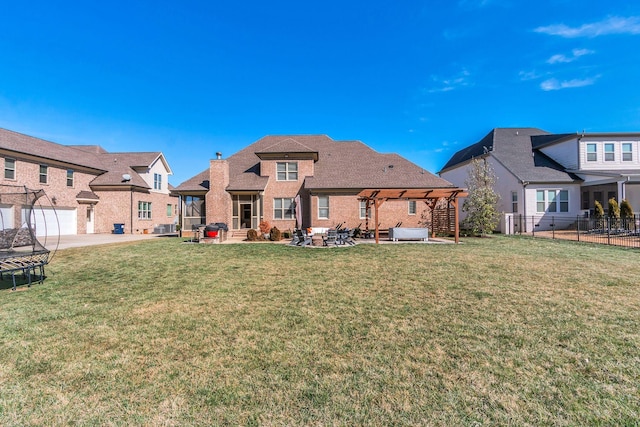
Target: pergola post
{"type": "Point", "coordinates": [378, 203]}
{"type": "Point", "coordinates": [454, 202]}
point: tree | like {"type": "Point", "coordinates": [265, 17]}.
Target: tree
{"type": "Point", "coordinates": [626, 212]}
{"type": "Point", "coordinates": [480, 205]}
{"type": "Point", "coordinates": [614, 213]}
{"type": "Point", "coordinates": [598, 213]}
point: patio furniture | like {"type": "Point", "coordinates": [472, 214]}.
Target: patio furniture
{"type": "Point", "coordinates": [397, 233]}
{"type": "Point", "coordinates": [301, 239]}
{"type": "Point", "coordinates": [345, 237]}
{"type": "Point", "coordinates": [331, 238]}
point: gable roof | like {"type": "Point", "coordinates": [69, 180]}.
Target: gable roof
{"type": "Point", "coordinates": [109, 168]}
{"type": "Point", "coordinates": [513, 148]}
{"type": "Point", "coordinates": [289, 146]}
{"type": "Point", "coordinates": [339, 165]}
{"type": "Point", "coordinates": [198, 183]}
{"type": "Point", "coordinates": [45, 150]}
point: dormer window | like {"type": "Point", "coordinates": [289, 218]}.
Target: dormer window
{"type": "Point", "coordinates": [157, 181]}
{"type": "Point", "coordinates": [287, 171]}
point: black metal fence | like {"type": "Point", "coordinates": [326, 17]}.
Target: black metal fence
{"type": "Point", "coordinates": [607, 231]}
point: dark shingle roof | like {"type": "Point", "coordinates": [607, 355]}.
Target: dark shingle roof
{"type": "Point", "coordinates": [37, 147]}
{"type": "Point", "coordinates": [199, 182]}
{"type": "Point", "coordinates": [109, 167]}
{"type": "Point", "coordinates": [340, 165]}
{"type": "Point", "coordinates": [87, 195]}
{"type": "Point", "coordinates": [512, 147]}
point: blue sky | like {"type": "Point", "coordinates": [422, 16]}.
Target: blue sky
{"type": "Point", "coordinates": [419, 78]}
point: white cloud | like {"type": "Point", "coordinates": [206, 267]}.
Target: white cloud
{"type": "Point", "coordinates": [461, 79]}
{"type": "Point", "coordinates": [529, 75]}
{"type": "Point", "coordinates": [555, 84]}
{"type": "Point", "coordinates": [473, 3]}
{"type": "Point", "coordinates": [611, 25]}
{"type": "Point", "coordinates": [575, 54]}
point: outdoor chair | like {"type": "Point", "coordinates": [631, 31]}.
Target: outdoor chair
{"type": "Point", "coordinates": [301, 239]}
{"type": "Point", "coordinates": [345, 237]}
{"type": "Point", "coordinates": [331, 238]}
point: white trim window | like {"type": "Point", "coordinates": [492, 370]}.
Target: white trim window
{"type": "Point", "coordinates": [552, 201]}
{"type": "Point", "coordinates": [287, 171]}
{"type": "Point", "coordinates": [69, 177]}
{"type": "Point", "coordinates": [323, 207]}
{"type": "Point", "coordinates": [157, 181]}
{"type": "Point", "coordinates": [413, 208]}
{"type": "Point", "coordinates": [283, 208]}
{"type": "Point", "coordinates": [592, 152]}
{"type": "Point", "coordinates": [514, 202]}
{"type": "Point", "coordinates": [627, 152]}
{"type": "Point", "coordinates": [144, 210]}
{"type": "Point", "coordinates": [363, 210]}
{"type": "Point", "coordinates": [609, 152]}
{"type": "Point", "coordinates": [44, 174]}
{"type": "Point", "coordinates": [9, 168]}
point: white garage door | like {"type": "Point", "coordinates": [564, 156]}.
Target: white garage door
{"type": "Point", "coordinates": [6, 217]}
{"type": "Point", "coordinates": [49, 222]}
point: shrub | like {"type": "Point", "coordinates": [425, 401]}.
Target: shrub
{"type": "Point", "coordinates": [598, 213]}
{"type": "Point", "coordinates": [626, 211]}
{"type": "Point", "coordinates": [275, 234]}
{"type": "Point", "coordinates": [614, 213]}
{"type": "Point", "coordinates": [598, 210]}
{"type": "Point", "coordinates": [252, 235]}
{"type": "Point", "coordinates": [614, 208]}
{"type": "Point", "coordinates": [264, 227]}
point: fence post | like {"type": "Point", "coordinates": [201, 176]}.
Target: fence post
{"type": "Point", "coordinates": [608, 220]}
{"type": "Point", "coordinates": [578, 227]}
{"type": "Point", "coordinates": [533, 226]}
{"type": "Point", "coordinates": [553, 227]}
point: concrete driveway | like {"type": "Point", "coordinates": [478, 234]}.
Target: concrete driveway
{"type": "Point", "coordinates": [81, 240]}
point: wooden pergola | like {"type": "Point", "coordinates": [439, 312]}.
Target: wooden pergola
{"type": "Point", "coordinates": [430, 196]}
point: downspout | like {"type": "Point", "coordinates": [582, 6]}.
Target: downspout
{"type": "Point", "coordinates": [131, 211]}
{"type": "Point", "coordinates": [524, 205]}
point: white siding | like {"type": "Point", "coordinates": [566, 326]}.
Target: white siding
{"type": "Point", "coordinates": [156, 168]}
{"type": "Point", "coordinates": [506, 182]}
{"type": "Point", "coordinates": [601, 164]}
{"type": "Point", "coordinates": [565, 153]}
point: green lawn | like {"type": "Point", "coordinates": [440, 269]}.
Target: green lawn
{"type": "Point", "coordinates": [494, 331]}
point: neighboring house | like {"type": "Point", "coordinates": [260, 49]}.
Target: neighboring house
{"type": "Point", "coordinates": [313, 176]}
{"type": "Point", "coordinates": [90, 189]}
{"type": "Point", "coordinates": [554, 177]}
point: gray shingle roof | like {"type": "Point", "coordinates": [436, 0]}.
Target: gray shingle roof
{"type": "Point", "coordinates": [513, 148]}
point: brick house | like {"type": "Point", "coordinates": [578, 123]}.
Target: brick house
{"type": "Point", "coordinates": [89, 189]}
{"type": "Point", "coordinates": [271, 178]}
